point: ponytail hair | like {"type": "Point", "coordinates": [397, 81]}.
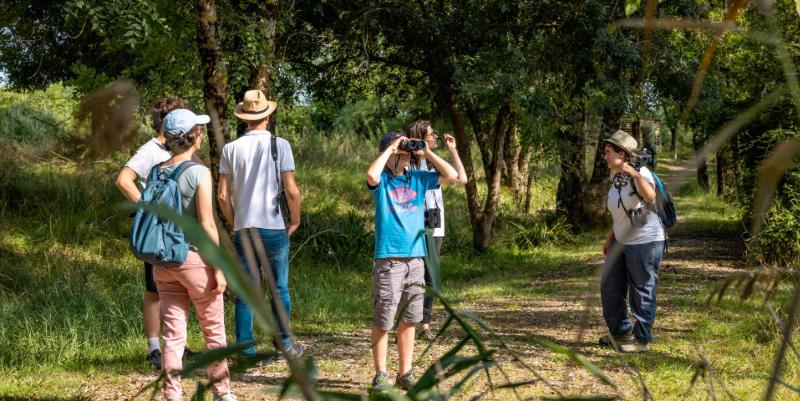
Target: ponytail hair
{"type": "Point", "coordinates": [182, 142]}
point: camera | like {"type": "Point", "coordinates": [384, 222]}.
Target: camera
{"type": "Point", "coordinates": [412, 145]}
{"type": "Point", "coordinates": [642, 159]}
{"type": "Point", "coordinates": [433, 218]}
{"type": "Point", "coordinates": [638, 217]}
{"type": "Point", "coordinates": [282, 206]}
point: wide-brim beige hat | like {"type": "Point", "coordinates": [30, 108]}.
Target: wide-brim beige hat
{"type": "Point", "coordinates": [254, 106]}
{"type": "Point", "coordinates": [624, 141]}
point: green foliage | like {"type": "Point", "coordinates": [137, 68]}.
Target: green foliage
{"type": "Point", "coordinates": [531, 232]}
{"type": "Point", "coordinates": [37, 118]}
{"type": "Point", "coordinates": [778, 242]}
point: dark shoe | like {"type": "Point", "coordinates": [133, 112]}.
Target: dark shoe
{"type": "Point", "coordinates": [295, 351]}
{"type": "Point", "coordinates": [619, 340]}
{"type": "Point", "coordinates": [155, 359]}
{"type": "Point", "coordinates": [406, 381]}
{"type": "Point", "coordinates": [427, 335]}
{"type": "Point", "coordinates": [189, 354]}
{"type": "Point", "coordinates": [380, 383]}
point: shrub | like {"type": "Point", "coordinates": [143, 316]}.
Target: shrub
{"type": "Point", "coordinates": [779, 241]}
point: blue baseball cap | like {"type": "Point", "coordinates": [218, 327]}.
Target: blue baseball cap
{"type": "Point", "coordinates": [388, 138]}
{"type": "Point", "coordinates": [180, 121]}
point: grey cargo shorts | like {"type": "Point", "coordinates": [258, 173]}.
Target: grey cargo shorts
{"type": "Point", "coordinates": [397, 285]}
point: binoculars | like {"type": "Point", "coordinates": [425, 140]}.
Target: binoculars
{"type": "Point", "coordinates": [412, 145]}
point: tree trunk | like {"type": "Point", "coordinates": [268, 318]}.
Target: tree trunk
{"type": "Point", "coordinates": [675, 132]}
{"type": "Point", "coordinates": [571, 191]}
{"type": "Point", "coordinates": [215, 77]}
{"type": "Point", "coordinates": [702, 169]}
{"type": "Point", "coordinates": [481, 218]}
{"type": "Point", "coordinates": [511, 158]}
{"type": "Point", "coordinates": [528, 190]}
{"type": "Point", "coordinates": [721, 166]}
{"type": "Point", "coordinates": [523, 179]}
{"type": "Point", "coordinates": [598, 185]}
{"type": "Point", "coordinates": [702, 176]}
{"type": "Point", "coordinates": [263, 73]}
{"type": "Point", "coordinates": [512, 173]}
{"type": "Point", "coordinates": [479, 132]}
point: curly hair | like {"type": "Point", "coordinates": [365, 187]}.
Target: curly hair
{"type": "Point", "coordinates": [162, 107]}
{"type": "Point", "coordinates": [419, 129]}
{"type": "Point", "coordinates": [181, 142]}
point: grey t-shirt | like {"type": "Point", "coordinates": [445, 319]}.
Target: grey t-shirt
{"type": "Point", "coordinates": [147, 156]}
{"type": "Point", "coordinates": [624, 232]}
{"type": "Point", "coordinates": [251, 172]}
{"type": "Point", "coordinates": [188, 182]}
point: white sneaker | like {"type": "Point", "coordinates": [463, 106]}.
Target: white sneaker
{"type": "Point", "coordinates": [634, 347]}
{"type": "Point", "coordinates": [225, 397]}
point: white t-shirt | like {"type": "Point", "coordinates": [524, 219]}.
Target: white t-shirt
{"type": "Point", "coordinates": [248, 163]}
{"type": "Point", "coordinates": [147, 156]}
{"type": "Point", "coordinates": [624, 232]}
{"type": "Point", "coordinates": [433, 197]}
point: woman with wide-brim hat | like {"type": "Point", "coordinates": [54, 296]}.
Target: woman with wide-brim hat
{"type": "Point", "coordinates": [633, 248]}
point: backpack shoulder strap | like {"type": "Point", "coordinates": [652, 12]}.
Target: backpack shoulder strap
{"type": "Point", "coordinates": [273, 146]}
{"type": "Point", "coordinates": [181, 168]}
{"type": "Point", "coordinates": [154, 173]}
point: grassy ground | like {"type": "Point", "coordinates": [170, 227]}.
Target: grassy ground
{"type": "Point", "coordinates": [70, 292]}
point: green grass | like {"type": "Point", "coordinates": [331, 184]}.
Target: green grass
{"type": "Point", "coordinates": [71, 292]}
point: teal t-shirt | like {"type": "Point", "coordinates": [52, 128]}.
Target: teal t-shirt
{"type": "Point", "coordinates": [400, 213]}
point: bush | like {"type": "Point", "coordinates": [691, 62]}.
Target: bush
{"type": "Point", "coordinates": [779, 241]}
{"type": "Point", "coordinates": [530, 232]}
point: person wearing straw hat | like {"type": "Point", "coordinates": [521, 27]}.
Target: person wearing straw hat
{"type": "Point", "coordinates": [255, 171]}
{"type": "Point", "coordinates": [633, 248]}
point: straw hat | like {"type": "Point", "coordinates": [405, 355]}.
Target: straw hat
{"type": "Point", "coordinates": [255, 106]}
{"type": "Point", "coordinates": [624, 141]}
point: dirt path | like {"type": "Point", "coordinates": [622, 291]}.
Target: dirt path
{"type": "Point", "coordinates": [562, 306]}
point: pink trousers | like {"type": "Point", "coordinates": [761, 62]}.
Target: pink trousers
{"type": "Point", "coordinates": [192, 281]}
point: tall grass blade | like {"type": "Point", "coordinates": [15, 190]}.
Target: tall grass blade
{"type": "Point", "coordinates": [677, 23]}
{"type": "Point", "coordinates": [727, 131]}
{"type": "Point", "coordinates": [787, 336]}
{"type": "Point", "coordinates": [432, 261]}
{"type": "Point", "coordinates": [208, 357]}
{"type": "Point", "coordinates": [575, 357]}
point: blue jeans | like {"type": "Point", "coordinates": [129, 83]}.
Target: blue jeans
{"type": "Point", "coordinates": [276, 244]}
{"type": "Point", "coordinates": [632, 275]}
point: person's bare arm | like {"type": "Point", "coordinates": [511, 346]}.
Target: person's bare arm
{"type": "Point", "coordinates": [609, 237]}
{"type": "Point", "coordinates": [293, 199]}
{"type": "Point", "coordinates": [446, 172]}
{"type": "Point", "coordinates": [205, 216]}
{"type": "Point", "coordinates": [450, 141]}
{"type": "Point", "coordinates": [375, 169]}
{"type": "Point", "coordinates": [224, 198]}
{"type": "Point", "coordinates": [126, 182]}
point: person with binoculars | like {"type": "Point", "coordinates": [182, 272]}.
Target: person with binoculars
{"type": "Point", "coordinates": [633, 248]}
{"type": "Point", "coordinates": [398, 273]}
{"type": "Point", "coordinates": [434, 205]}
